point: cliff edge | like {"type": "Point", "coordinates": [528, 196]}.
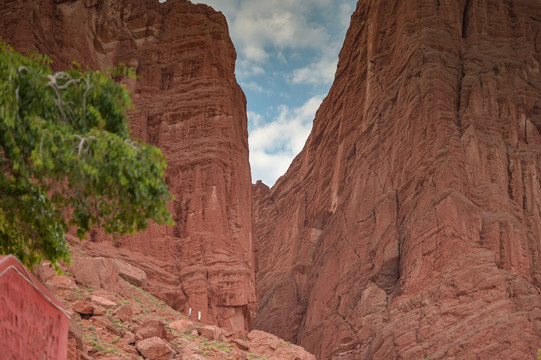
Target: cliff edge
{"type": "Point", "coordinates": [409, 226]}
{"type": "Point", "coordinates": [188, 103]}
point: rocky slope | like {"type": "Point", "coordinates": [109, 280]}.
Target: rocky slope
{"type": "Point", "coordinates": [410, 224]}
{"type": "Point", "coordinates": [187, 103]}
{"type": "Point", "coordinates": [113, 318]}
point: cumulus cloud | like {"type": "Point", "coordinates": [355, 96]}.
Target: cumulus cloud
{"type": "Point", "coordinates": [255, 53]}
{"type": "Point", "coordinates": [280, 24]}
{"type": "Point", "coordinates": [274, 144]}
{"type": "Point", "coordinates": [263, 29]}
{"type": "Point", "coordinates": [317, 73]}
{"type": "Point", "coordinates": [345, 11]}
{"type": "Point", "coordinates": [247, 68]}
{"type": "Point", "coordinates": [252, 85]}
{"type": "Point", "coordinates": [254, 119]}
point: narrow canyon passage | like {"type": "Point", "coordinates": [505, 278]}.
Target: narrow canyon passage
{"type": "Point", "coordinates": [408, 227]}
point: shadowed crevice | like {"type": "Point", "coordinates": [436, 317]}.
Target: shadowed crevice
{"type": "Point", "coordinates": [465, 19]}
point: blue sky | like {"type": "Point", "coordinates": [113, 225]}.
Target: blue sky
{"type": "Point", "coordinates": [287, 52]}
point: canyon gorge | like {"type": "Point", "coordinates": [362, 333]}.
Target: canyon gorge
{"type": "Point", "coordinates": [409, 226]}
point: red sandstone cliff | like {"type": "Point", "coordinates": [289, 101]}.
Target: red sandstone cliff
{"type": "Point", "coordinates": [410, 224]}
{"type": "Point", "coordinates": [189, 104]}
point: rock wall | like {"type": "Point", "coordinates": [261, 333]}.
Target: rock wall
{"type": "Point", "coordinates": [189, 104]}
{"type": "Point", "coordinates": [409, 226]}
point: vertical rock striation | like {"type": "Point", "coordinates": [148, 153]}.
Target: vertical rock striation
{"type": "Point", "coordinates": [187, 102]}
{"type": "Point", "coordinates": [410, 224]}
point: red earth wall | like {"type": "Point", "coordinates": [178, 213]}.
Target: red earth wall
{"type": "Point", "coordinates": [33, 324]}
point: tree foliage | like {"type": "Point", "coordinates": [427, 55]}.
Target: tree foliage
{"type": "Point", "coordinates": [67, 159]}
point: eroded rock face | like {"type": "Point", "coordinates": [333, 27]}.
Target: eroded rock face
{"type": "Point", "coordinates": [189, 104]}
{"type": "Point", "coordinates": [410, 224]}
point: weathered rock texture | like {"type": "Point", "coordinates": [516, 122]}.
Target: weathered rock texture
{"type": "Point", "coordinates": [410, 224]}
{"type": "Point", "coordinates": [187, 103]}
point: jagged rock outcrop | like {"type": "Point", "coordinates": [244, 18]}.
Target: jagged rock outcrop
{"type": "Point", "coordinates": [410, 224]}
{"type": "Point", "coordinates": [189, 104]}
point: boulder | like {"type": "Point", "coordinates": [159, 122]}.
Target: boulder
{"type": "Point", "coordinates": [210, 332]}
{"type": "Point", "coordinates": [69, 296]}
{"type": "Point", "coordinates": [95, 273]}
{"type": "Point", "coordinates": [152, 327]}
{"type": "Point", "coordinates": [155, 348]}
{"type": "Point", "coordinates": [57, 282]}
{"type": "Point", "coordinates": [130, 273]}
{"type": "Point", "coordinates": [103, 302]}
{"type": "Point", "coordinates": [188, 350]}
{"type": "Point", "coordinates": [274, 348]}
{"type": "Point", "coordinates": [129, 337]}
{"type": "Point", "coordinates": [124, 313]}
{"type": "Point", "coordinates": [100, 311]}
{"type": "Point", "coordinates": [181, 325]}
{"type": "Point", "coordinates": [104, 322]}
{"type": "Point", "coordinates": [241, 344]}
{"type": "Point", "coordinates": [83, 307]}
{"type": "Point", "coordinates": [44, 271]}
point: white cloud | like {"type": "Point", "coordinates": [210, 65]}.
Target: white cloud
{"type": "Point", "coordinates": [280, 56]}
{"type": "Point", "coordinates": [268, 167]}
{"type": "Point", "coordinates": [246, 68]}
{"type": "Point", "coordinates": [274, 144]}
{"type": "Point", "coordinates": [255, 53]}
{"type": "Point", "coordinates": [316, 73]}
{"type": "Point", "coordinates": [280, 24]}
{"type": "Point", "coordinates": [345, 11]}
{"type": "Point", "coordinates": [262, 29]}
{"type": "Point", "coordinates": [252, 85]}
{"type": "Point", "coordinates": [255, 119]}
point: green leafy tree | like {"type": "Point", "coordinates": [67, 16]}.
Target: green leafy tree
{"type": "Point", "coordinates": [67, 159]}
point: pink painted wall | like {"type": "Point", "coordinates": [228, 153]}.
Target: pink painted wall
{"type": "Point", "coordinates": [33, 324]}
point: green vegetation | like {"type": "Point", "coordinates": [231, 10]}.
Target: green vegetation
{"type": "Point", "coordinates": [119, 325]}
{"type": "Point", "coordinates": [207, 346]}
{"type": "Point", "coordinates": [93, 340]}
{"type": "Point", "coordinates": [82, 291]}
{"type": "Point", "coordinates": [188, 335]}
{"type": "Point", "coordinates": [67, 159]}
{"type": "Point", "coordinates": [253, 356]}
